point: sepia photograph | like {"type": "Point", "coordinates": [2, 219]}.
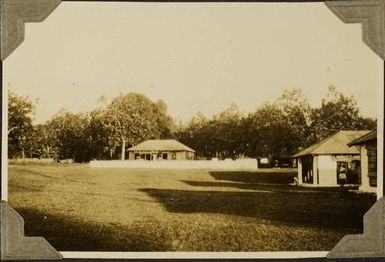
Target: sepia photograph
{"type": "Point", "coordinates": [197, 127]}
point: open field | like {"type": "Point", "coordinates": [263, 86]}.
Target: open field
{"type": "Point", "coordinates": [79, 208]}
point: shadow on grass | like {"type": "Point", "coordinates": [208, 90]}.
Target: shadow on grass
{"type": "Point", "coordinates": [273, 180]}
{"type": "Point", "coordinates": [263, 187]}
{"type": "Point", "coordinates": [219, 184]}
{"type": "Point", "coordinates": [68, 234]}
{"type": "Point", "coordinates": [255, 176]}
{"type": "Point", "coordinates": [331, 210]}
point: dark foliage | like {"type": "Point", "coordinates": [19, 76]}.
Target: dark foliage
{"type": "Point", "coordinates": [273, 130]}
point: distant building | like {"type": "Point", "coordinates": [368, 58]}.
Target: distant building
{"type": "Point", "coordinates": [368, 153]}
{"type": "Point", "coordinates": [167, 149]}
{"type": "Point", "coordinates": [331, 162]}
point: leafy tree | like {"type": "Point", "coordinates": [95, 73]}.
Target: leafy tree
{"type": "Point", "coordinates": [43, 142]}
{"type": "Point", "coordinates": [100, 143]}
{"type": "Point", "coordinates": [216, 137]}
{"type": "Point", "coordinates": [337, 112]}
{"type": "Point", "coordinates": [69, 134]}
{"type": "Point", "coordinates": [267, 131]}
{"type": "Point", "coordinates": [21, 111]}
{"type": "Point", "coordinates": [226, 132]}
{"type": "Point", "coordinates": [132, 118]}
{"type": "Point", "coordinates": [165, 124]}
{"type": "Point", "coordinates": [196, 134]}
{"type": "Point", "coordinates": [296, 110]}
{"type": "Point", "coordinates": [101, 146]}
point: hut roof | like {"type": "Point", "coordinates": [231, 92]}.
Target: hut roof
{"type": "Point", "coordinates": [365, 138]}
{"type": "Point", "coordinates": [161, 145]}
{"type": "Point", "coordinates": [334, 144]}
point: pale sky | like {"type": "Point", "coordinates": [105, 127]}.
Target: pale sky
{"type": "Point", "coordinates": [194, 56]}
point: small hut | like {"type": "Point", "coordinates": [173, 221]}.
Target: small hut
{"type": "Point", "coordinates": [331, 162]}
{"type": "Point", "coordinates": [156, 149]}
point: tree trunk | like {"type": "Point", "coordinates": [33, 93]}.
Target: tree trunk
{"type": "Point", "coordinates": [124, 149]}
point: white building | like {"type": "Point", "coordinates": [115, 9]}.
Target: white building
{"type": "Point", "coordinates": [331, 162]}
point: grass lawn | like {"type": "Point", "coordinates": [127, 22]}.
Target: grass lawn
{"type": "Point", "coordinates": [77, 208]}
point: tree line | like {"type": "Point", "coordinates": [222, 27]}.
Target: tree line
{"type": "Point", "coordinates": [103, 133]}
{"type": "Point", "coordinates": [274, 129]}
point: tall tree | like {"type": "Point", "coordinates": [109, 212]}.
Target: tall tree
{"type": "Point", "coordinates": [132, 118]}
{"type": "Point", "coordinates": [268, 131]}
{"type": "Point", "coordinates": [296, 110]}
{"type": "Point", "coordinates": [100, 143]}
{"type": "Point", "coordinates": [165, 124]}
{"type": "Point", "coordinates": [226, 132]}
{"type": "Point", "coordinates": [43, 142]}
{"type": "Point", "coordinates": [21, 111]}
{"type": "Point", "coordinates": [196, 134]}
{"type": "Point", "coordinates": [69, 131]}
{"type": "Point", "coordinates": [337, 112]}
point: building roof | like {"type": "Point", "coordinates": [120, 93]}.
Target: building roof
{"type": "Point", "coordinates": [161, 145]}
{"type": "Point", "coordinates": [334, 144]}
{"type": "Point", "coordinates": [371, 136]}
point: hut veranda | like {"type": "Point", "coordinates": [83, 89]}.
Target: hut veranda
{"type": "Point", "coordinates": [368, 153]}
